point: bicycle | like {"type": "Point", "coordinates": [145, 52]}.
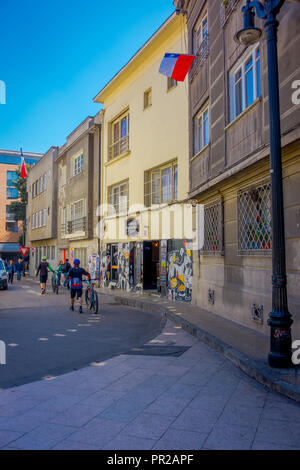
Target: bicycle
{"type": "Point", "coordinates": [54, 284]}
{"type": "Point", "coordinates": [91, 297]}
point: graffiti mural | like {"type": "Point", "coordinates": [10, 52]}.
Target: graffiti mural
{"type": "Point", "coordinates": [123, 267]}
{"type": "Point", "coordinates": [105, 267]}
{"type": "Point", "coordinates": [180, 270]}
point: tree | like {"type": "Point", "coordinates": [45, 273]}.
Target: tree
{"type": "Point", "coordinates": [18, 208]}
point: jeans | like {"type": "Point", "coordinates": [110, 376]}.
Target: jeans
{"type": "Point", "coordinates": [19, 275]}
{"type": "Point", "coordinates": [58, 279]}
{"type": "Point", "coordinates": [66, 281]}
{"type": "Point", "coordinates": [11, 277]}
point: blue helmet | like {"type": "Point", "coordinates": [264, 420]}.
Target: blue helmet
{"type": "Point", "coordinates": [77, 261]}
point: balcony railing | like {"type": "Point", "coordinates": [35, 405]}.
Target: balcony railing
{"type": "Point", "coordinates": [227, 7]}
{"type": "Point", "coordinates": [200, 58]}
{"type": "Point", "coordinates": [118, 148]}
{"type": "Point", "coordinates": [74, 226]}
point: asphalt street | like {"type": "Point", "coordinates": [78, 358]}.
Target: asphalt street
{"type": "Point", "coordinates": [44, 338]}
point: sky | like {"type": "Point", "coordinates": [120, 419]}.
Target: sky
{"type": "Point", "coordinates": [56, 55]}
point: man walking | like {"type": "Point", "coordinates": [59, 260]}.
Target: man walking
{"type": "Point", "coordinates": [75, 283]}
{"type": "Point", "coordinates": [65, 270]}
{"type": "Point", "coordinates": [43, 270]}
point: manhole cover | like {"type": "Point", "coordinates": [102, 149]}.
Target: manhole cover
{"type": "Point", "coordinates": [148, 350]}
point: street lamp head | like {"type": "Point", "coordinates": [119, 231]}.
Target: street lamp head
{"type": "Point", "coordinates": [249, 34]}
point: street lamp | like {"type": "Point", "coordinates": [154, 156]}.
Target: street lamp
{"type": "Point", "coordinates": [280, 319]}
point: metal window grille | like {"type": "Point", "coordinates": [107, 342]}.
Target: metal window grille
{"type": "Point", "coordinates": [255, 220]}
{"type": "Point", "coordinates": [201, 55]}
{"type": "Point", "coordinates": [213, 228]}
{"type": "Point", "coordinates": [227, 7]}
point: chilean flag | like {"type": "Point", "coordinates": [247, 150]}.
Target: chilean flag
{"type": "Point", "coordinates": [176, 66]}
{"type": "Point", "coordinates": [23, 166]}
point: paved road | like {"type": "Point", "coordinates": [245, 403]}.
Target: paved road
{"type": "Point", "coordinates": [44, 338]}
{"type": "Point", "coordinates": [198, 400]}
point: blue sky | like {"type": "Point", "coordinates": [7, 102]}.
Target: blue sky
{"type": "Point", "coordinates": [56, 55]}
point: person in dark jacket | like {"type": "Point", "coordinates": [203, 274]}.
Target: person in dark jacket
{"type": "Point", "coordinates": [65, 270]}
{"type": "Point", "coordinates": [43, 270]}
{"type": "Point", "coordinates": [19, 269]}
{"type": "Point", "coordinates": [11, 271]}
{"type": "Point", "coordinates": [75, 282]}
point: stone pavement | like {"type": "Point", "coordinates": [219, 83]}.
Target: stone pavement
{"type": "Point", "coordinates": [246, 348]}
{"type": "Point", "coordinates": [195, 400]}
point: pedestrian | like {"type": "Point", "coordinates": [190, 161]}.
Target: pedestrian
{"type": "Point", "coordinates": [65, 270]}
{"type": "Point", "coordinates": [11, 271]}
{"type": "Point", "coordinates": [59, 272]}
{"type": "Point", "coordinates": [75, 280]}
{"type": "Point", "coordinates": [19, 269]}
{"type": "Point", "coordinates": [43, 270]}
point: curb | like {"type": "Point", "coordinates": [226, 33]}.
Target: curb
{"type": "Point", "coordinates": [252, 368]}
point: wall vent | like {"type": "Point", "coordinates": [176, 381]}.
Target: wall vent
{"type": "Point", "coordinates": [258, 313]}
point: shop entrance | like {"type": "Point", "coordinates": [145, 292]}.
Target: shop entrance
{"type": "Point", "coordinates": [151, 265]}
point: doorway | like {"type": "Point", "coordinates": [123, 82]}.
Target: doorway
{"type": "Point", "coordinates": [151, 265]}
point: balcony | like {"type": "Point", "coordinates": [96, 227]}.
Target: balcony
{"type": "Point", "coordinates": [118, 148]}
{"type": "Point", "coordinates": [227, 8]}
{"type": "Point", "coordinates": [73, 226]}
{"type": "Point", "coordinates": [201, 56]}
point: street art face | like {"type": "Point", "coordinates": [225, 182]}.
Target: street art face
{"type": "Point", "coordinates": [123, 267]}
{"type": "Point", "coordinates": [180, 272]}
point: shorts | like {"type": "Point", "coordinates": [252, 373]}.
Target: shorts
{"type": "Point", "coordinates": [43, 279]}
{"type": "Point", "coordinates": [75, 292]}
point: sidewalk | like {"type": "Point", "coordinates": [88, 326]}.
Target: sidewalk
{"type": "Point", "coordinates": [246, 348]}
{"type": "Point", "coordinates": [174, 393]}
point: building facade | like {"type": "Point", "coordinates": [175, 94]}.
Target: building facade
{"type": "Point", "coordinates": [78, 170]}
{"type": "Point", "coordinates": [42, 210]}
{"type": "Point", "coordinates": [10, 229]}
{"type": "Point", "coordinates": [145, 179]}
{"type": "Point", "coordinates": [229, 161]}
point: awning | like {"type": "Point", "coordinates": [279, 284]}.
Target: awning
{"type": "Point", "coordinates": [9, 248]}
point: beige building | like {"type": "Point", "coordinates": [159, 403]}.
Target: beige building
{"type": "Point", "coordinates": [145, 178]}
{"type": "Point", "coordinates": [78, 170]}
{"type": "Point", "coordinates": [229, 161]}
{"type": "Point", "coordinates": [42, 210]}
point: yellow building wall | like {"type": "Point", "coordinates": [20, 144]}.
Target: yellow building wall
{"type": "Point", "coordinates": [157, 134]}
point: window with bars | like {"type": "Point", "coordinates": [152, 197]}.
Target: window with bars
{"type": "Point", "coordinates": [118, 198]}
{"type": "Point", "coordinates": [255, 220]}
{"type": "Point", "coordinates": [213, 228]}
{"type": "Point", "coordinates": [77, 210]}
{"type": "Point", "coordinates": [119, 136]}
{"type": "Point", "coordinates": [161, 184]}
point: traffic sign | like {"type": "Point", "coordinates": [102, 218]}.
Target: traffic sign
{"type": "Point", "coordinates": [24, 250]}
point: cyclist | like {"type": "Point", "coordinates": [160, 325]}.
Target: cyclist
{"type": "Point", "coordinates": [43, 270]}
{"type": "Point", "coordinates": [75, 283]}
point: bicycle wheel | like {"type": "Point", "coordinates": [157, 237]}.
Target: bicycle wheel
{"type": "Point", "coordinates": [88, 298]}
{"type": "Point", "coordinates": [94, 306]}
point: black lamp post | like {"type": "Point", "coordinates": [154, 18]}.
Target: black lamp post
{"type": "Point", "coordinates": [280, 319]}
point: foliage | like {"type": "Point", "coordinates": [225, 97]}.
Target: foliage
{"type": "Point", "coordinates": [18, 208]}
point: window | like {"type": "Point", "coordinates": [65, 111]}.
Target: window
{"type": "Point", "coordinates": [77, 210]}
{"type": "Point", "coordinates": [118, 198]}
{"type": "Point", "coordinates": [11, 227]}
{"type": "Point", "coordinates": [119, 136]}
{"type": "Point", "coordinates": [213, 228]}
{"type": "Point", "coordinates": [148, 98]}
{"type": "Point", "coordinates": [161, 184]}
{"type": "Point", "coordinates": [201, 131]}
{"type": "Point", "coordinates": [77, 165]}
{"type": "Point", "coordinates": [81, 254]}
{"type": "Point", "coordinates": [53, 252]}
{"type": "Point", "coordinates": [200, 34]}
{"type": "Point", "coordinates": [44, 217]}
{"type": "Point", "coordinates": [245, 83]}
{"type": "Point", "coordinates": [171, 83]}
{"type": "Point", "coordinates": [10, 217]}
{"type": "Point", "coordinates": [255, 220]}
{"type": "Point", "coordinates": [11, 190]}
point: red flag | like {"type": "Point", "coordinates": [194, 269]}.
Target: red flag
{"type": "Point", "coordinates": [23, 166]}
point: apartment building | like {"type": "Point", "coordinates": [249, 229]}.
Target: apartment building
{"type": "Point", "coordinates": [10, 229]}
{"type": "Point", "coordinates": [229, 161]}
{"type": "Point", "coordinates": [42, 210]}
{"type": "Point", "coordinates": [145, 178]}
{"type": "Point", "coordinates": [78, 170]}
